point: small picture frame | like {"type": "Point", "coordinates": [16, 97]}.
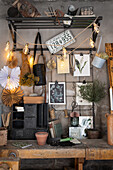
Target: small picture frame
{"type": "Point", "coordinates": [81, 63]}
{"type": "Point", "coordinates": [57, 93]}
{"type": "Point", "coordinates": [86, 121]}
{"type": "Point", "coordinates": [63, 65]}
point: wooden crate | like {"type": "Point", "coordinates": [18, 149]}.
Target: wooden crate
{"type": "Point", "coordinates": [3, 136]}
{"type": "Point", "coordinates": [33, 100]}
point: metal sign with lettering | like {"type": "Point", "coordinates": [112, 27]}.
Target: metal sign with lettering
{"type": "Point", "coordinates": [63, 39]}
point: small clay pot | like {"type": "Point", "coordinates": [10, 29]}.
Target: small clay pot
{"type": "Point", "coordinates": [41, 137]}
{"type": "Point", "coordinates": [93, 133]}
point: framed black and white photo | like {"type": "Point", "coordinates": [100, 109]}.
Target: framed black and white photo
{"type": "Point", "coordinates": [57, 93]}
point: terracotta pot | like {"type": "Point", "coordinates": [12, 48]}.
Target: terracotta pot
{"type": "Point", "coordinates": [93, 133]}
{"type": "Point", "coordinates": [41, 137]}
{"type": "Point", "coordinates": [110, 128]}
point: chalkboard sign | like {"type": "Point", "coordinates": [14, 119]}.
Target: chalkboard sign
{"type": "Point", "coordinates": [57, 93]}
{"type": "Point", "coordinates": [63, 39]}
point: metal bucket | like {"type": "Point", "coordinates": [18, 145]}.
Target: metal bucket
{"type": "Point", "coordinates": [98, 62]}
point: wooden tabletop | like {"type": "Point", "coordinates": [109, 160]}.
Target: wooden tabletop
{"type": "Point", "coordinates": [90, 149]}
{"type": "Point", "coordinates": [98, 149]}
{"type": "Point", "coordinates": [46, 151]}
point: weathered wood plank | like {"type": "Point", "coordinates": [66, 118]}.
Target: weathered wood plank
{"type": "Point", "coordinates": [99, 154]}
{"type": "Point", "coordinates": [80, 163]}
{"type": "Point", "coordinates": [13, 163]}
{"type": "Point", "coordinates": [46, 153]}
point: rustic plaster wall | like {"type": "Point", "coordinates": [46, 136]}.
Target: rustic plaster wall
{"type": "Point", "coordinates": [101, 8]}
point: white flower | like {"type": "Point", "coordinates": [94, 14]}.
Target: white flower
{"type": "Point", "coordinates": [9, 78]}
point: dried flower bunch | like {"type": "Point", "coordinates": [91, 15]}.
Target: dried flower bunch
{"type": "Point", "coordinates": [28, 80]}
{"type": "Point", "coordinates": [103, 55]}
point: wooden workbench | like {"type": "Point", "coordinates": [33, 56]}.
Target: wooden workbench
{"type": "Point", "coordinates": [46, 151]}
{"type": "Point", "coordinates": [98, 149]}
{"type": "Point", "coordinates": [89, 149]}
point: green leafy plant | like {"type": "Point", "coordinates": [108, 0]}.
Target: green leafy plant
{"type": "Point", "coordinates": [93, 92]}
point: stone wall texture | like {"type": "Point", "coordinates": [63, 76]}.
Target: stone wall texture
{"type": "Point", "coordinates": [101, 8]}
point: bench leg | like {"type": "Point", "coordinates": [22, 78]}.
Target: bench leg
{"type": "Point", "coordinates": [76, 163]}
{"type": "Point", "coordinates": [80, 163]}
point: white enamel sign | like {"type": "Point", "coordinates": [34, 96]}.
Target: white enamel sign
{"type": "Point", "coordinates": [63, 39]}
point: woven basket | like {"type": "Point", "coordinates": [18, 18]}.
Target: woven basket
{"type": "Point", "coordinates": [3, 136]}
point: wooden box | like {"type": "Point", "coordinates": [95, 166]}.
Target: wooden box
{"type": "Point", "coordinates": [3, 136]}
{"type": "Point", "coordinates": [33, 100]}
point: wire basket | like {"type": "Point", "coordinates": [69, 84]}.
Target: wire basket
{"type": "Point", "coordinates": [3, 136]}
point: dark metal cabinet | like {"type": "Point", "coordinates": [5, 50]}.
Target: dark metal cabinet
{"type": "Point", "coordinates": [26, 123]}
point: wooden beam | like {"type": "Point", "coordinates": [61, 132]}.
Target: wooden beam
{"type": "Point", "coordinates": [99, 154]}
{"type": "Point", "coordinates": [46, 153]}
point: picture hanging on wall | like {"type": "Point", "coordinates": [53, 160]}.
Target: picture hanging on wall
{"type": "Point", "coordinates": [63, 65]}
{"type": "Point", "coordinates": [81, 64]}
{"type": "Point", "coordinates": [79, 99]}
{"type": "Point", "coordinates": [57, 93]}
{"type": "Point", "coordinates": [86, 122]}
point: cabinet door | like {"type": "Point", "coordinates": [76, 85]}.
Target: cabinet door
{"type": "Point", "coordinates": [30, 134]}
{"type": "Point", "coordinates": [30, 110]}
{"type": "Point", "coordinates": [17, 134]}
{"type": "Point", "coordinates": [29, 123]}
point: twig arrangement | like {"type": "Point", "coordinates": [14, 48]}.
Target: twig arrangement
{"type": "Point", "coordinates": [5, 119]}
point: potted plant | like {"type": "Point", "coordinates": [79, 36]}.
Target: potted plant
{"type": "Point", "coordinates": [100, 59]}
{"type": "Point", "coordinates": [93, 92]}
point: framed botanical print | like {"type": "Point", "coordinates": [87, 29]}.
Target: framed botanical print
{"type": "Point", "coordinates": [86, 121]}
{"type": "Point", "coordinates": [81, 64]}
{"type": "Point", "coordinates": [57, 93]}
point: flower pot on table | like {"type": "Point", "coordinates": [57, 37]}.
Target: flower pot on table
{"type": "Point", "coordinates": [41, 137]}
